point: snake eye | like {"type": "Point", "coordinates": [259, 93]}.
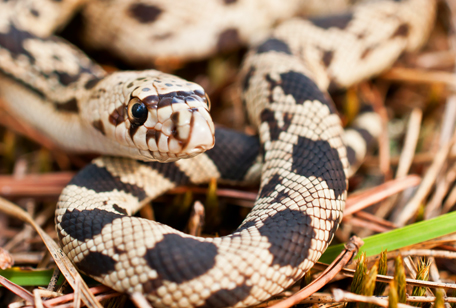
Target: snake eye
{"type": "Point", "coordinates": [137, 111]}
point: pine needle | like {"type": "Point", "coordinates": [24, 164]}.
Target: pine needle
{"type": "Point", "coordinates": [399, 277]}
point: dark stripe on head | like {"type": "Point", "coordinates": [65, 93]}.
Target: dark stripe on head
{"type": "Point", "coordinates": [274, 44]}
{"type": "Point", "coordinates": [234, 153]}
{"type": "Point", "coordinates": [319, 159]}
{"type": "Point", "coordinates": [335, 21]}
{"type": "Point", "coordinates": [85, 224]}
{"type": "Point", "coordinates": [100, 180]}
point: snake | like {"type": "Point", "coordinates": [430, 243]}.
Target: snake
{"type": "Point", "coordinates": [155, 133]}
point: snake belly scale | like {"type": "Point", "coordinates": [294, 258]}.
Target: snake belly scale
{"type": "Point", "coordinates": [300, 158]}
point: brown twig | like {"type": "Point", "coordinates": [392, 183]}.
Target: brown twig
{"type": "Point", "coordinates": [419, 76]}
{"type": "Point", "coordinates": [426, 184]}
{"type": "Point", "coordinates": [371, 196]}
{"type": "Point", "coordinates": [343, 296]}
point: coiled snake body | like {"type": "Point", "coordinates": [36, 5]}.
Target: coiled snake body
{"type": "Point", "coordinates": [300, 158]}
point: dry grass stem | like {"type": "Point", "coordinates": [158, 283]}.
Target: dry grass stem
{"type": "Point", "coordinates": [65, 265]}
{"type": "Point", "coordinates": [381, 192]}
{"type": "Point", "coordinates": [196, 221]}
{"type": "Point", "coordinates": [411, 139]}
{"type": "Point", "coordinates": [342, 296]}
{"type": "Point", "coordinates": [375, 98]}
{"type": "Point", "coordinates": [419, 76]}
{"type": "Point", "coordinates": [426, 185]}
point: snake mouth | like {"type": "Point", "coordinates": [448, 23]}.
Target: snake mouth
{"type": "Point", "coordinates": [185, 134]}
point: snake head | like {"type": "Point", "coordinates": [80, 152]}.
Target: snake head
{"type": "Point", "coordinates": [164, 117]}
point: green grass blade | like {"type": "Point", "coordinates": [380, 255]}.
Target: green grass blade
{"type": "Point", "coordinates": [27, 277]}
{"type": "Point", "coordinates": [399, 238]}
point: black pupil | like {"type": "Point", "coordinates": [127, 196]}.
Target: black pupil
{"type": "Point", "coordinates": [139, 110]}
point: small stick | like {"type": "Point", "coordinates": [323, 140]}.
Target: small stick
{"type": "Point", "coordinates": [343, 296]}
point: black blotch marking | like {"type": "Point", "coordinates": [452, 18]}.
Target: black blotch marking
{"type": "Point", "coordinates": [66, 78]}
{"type": "Point", "coordinates": [96, 264]}
{"type": "Point", "coordinates": [130, 85]}
{"type": "Point", "coordinates": [92, 83]}
{"type": "Point", "coordinates": [401, 31]}
{"type": "Point", "coordinates": [269, 188]}
{"type": "Point", "coordinates": [274, 44]}
{"type": "Point", "coordinates": [351, 155]}
{"type": "Point", "coordinates": [117, 116]}
{"type": "Point", "coordinates": [34, 12]}
{"type": "Point", "coordinates": [280, 229]}
{"type": "Point", "coordinates": [327, 57]}
{"type": "Point", "coordinates": [14, 40]}
{"type": "Point", "coordinates": [98, 125]}
{"type": "Point", "coordinates": [301, 87]}
{"type": "Point", "coordinates": [118, 251]}
{"type": "Point", "coordinates": [340, 21]}
{"type": "Point", "coordinates": [227, 297]}
{"type": "Point", "coordinates": [228, 40]}
{"type": "Point", "coordinates": [229, 1]}
{"type": "Point", "coordinates": [100, 180]}
{"type": "Point", "coordinates": [268, 116]}
{"type": "Point", "coordinates": [119, 209]}
{"type": "Point", "coordinates": [246, 81]}
{"type": "Point", "coordinates": [144, 13]}
{"type": "Point", "coordinates": [319, 159]}
{"type": "Point", "coordinates": [69, 106]}
{"type": "Point", "coordinates": [234, 153]}
{"type": "Point", "coordinates": [179, 259]}
{"type": "Point", "coordinates": [85, 224]}
{"type": "Point", "coordinates": [367, 136]}
{"type": "Point", "coordinates": [170, 171]}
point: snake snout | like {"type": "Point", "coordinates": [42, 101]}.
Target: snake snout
{"type": "Point", "coordinates": [187, 132]}
{"type": "Point", "coordinates": [194, 131]}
